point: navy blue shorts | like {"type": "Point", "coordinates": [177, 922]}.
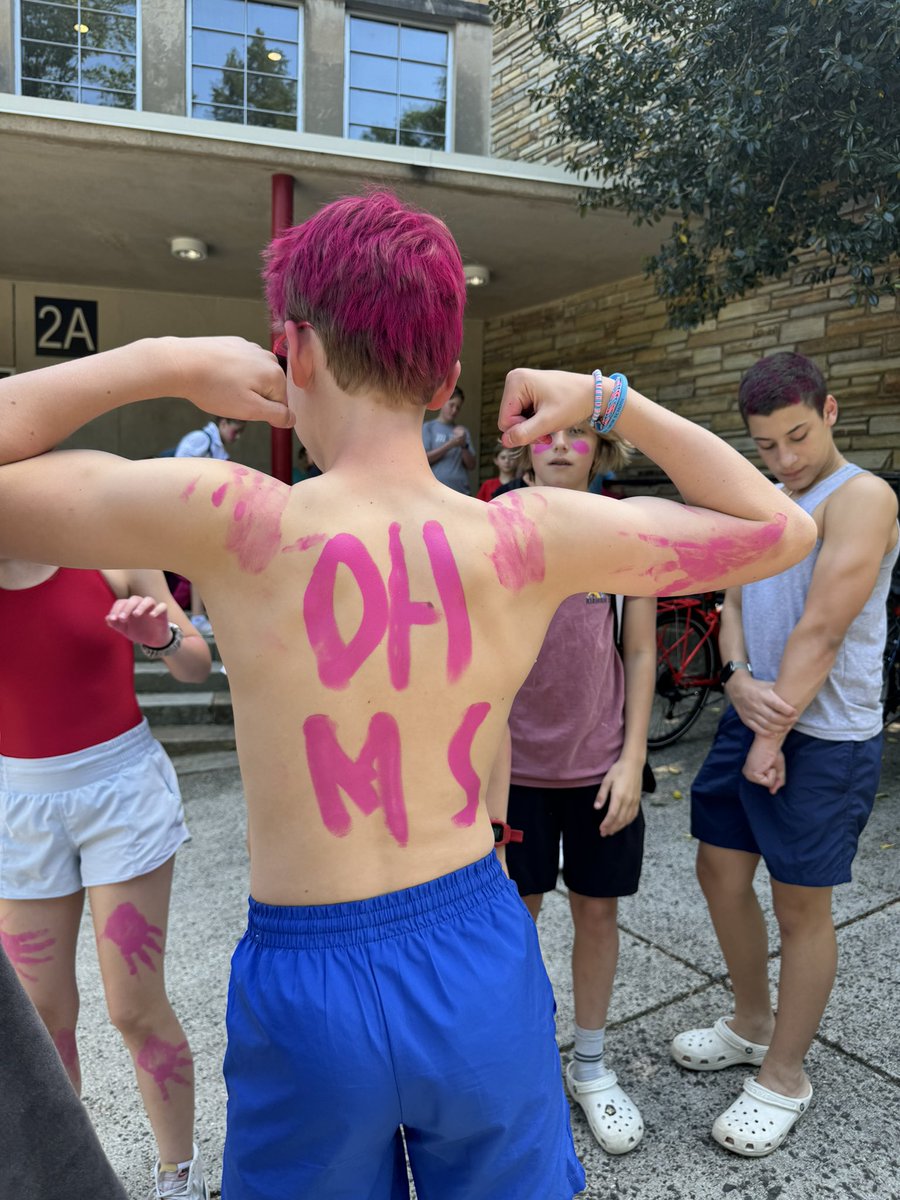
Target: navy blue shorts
{"type": "Point", "coordinates": [428, 1008]}
{"type": "Point", "coordinates": [592, 865]}
{"type": "Point", "coordinates": [808, 832]}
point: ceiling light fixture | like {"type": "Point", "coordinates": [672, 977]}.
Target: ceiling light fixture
{"type": "Point", "coordinates": [476, 275]}
{"type": "Point", "coordinates": [189, 249]}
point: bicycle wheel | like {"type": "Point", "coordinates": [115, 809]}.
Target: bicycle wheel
{"type": "Point", "coordinates": [683, 655]}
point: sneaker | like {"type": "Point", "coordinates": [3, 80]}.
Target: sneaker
{"type": "Point", "coordinates": [188, 1184]}
{"type": "Point", "coordinates": [202, 625]}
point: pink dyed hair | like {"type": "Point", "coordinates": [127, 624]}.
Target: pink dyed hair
{"type": "Point", "coordinates": [382, 285]}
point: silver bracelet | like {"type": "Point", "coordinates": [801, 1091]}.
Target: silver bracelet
{"type": "Point", "coordinates": [171, 646]}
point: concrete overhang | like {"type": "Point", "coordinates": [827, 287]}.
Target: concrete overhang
{"type": "Point", "coordinates": [92, 196]}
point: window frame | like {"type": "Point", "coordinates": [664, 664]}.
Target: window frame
{"type": "Point", "coordinates": [399, 23]}
{"type": "Point", "coordinates": [298, 8]}
{"type": "Point", "coordinates": [18, 39]}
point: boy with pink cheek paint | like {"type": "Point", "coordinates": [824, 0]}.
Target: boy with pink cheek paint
{"type": "Point", "coordinates": [579, 749]}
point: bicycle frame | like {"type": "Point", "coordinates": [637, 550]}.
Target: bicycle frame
{"type": "Point", "coordinates": [700, 611]}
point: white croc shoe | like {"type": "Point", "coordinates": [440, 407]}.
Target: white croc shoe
{"type": "Point", "coordinates": [715, 1048]}
{"type": "Point", "coordinates": [614, 1120]}
{"type": "Point", "coordinates": [759, 1120]}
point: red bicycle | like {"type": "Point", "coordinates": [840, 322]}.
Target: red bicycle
{"type": "Point", "coordinates": [688, 665]}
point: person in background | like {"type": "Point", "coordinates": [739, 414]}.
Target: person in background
{"type": "Point", "coordinates": [448, 445]}
{"type": "Point", "coordinates": [505, 462]}
{"type": "Point", "coordinates": [579, 763]}
{"type": "Point", "coordinates": [212, 441]}
{"type": "Point", "coordinates": [89, 802]}
{"type": "Point", "coordinates": [304, 467]}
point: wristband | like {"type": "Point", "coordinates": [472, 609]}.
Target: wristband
{"type": "Point", "coordinates": [614, 407]}
{"type": "Point", "coordinates": [729, 669]}
{"type": "Point", "coordinates": [171, 647]}
{"type": "Point", "coordinates": [598, 399]}
{"type": "Point", "coordinates": [503, 834]}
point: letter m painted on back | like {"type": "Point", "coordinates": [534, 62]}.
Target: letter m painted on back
{"type": "Point", "coordinates": [371, 781]}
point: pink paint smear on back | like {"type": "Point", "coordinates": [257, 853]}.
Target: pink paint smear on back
{"type": "Point", "coordinates": [459, 757]}
{"type": "Point", "coordinates": [254, 534]}
{"type": "Point", "coordinates": [706, 562]}
{"type": "Point", "coordinates": [518, 554]}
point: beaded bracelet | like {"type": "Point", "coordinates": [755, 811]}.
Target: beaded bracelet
{"type": "Point", "coordinates": [615, 405]}
{"type": "Point", "coordinates": [598, 400]}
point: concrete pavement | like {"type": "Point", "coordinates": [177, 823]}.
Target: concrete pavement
{"type": "Point", "coordinates": [670, 978]}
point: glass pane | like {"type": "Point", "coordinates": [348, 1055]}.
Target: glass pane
{"type": "Point", "coordinates": [49, 24]}
{"type": "Point", "coordinates": [374, 37]}
{"type": "Point", "coordinates": [217, 87]}
{"type": "Point", "coordinates": [422, 114]}
{"type": "Point", "coordinates": [373, 108]}
{"type": "Point", "coordinates": [125, 8]}
{"type": "Point", "coordinates": [366, 71]}
{"type": "Point", "coordinates": [218, 49]}
{"type": "Point", "coordinates": [427, 141]}
{"type": "Point", "coordinates": [369, 133]}
{"type": "Point", "coordinates": [54, 63]}
{"type": "Point", "coordinates": [273, 21]}
{"type": "Point", "coordinates": [268, 91]}
{"type": "Point", "coordinates": [416, 79]}
{"type": "Point", "coordinates": [108, 71]}
{"type": "Point", "coordinates": [425, 45]}
{"type": "Point", "coordinates": [48, 91]}
{"type": "Point", "coordinates": [219, 14]}
{"type": "Point", "coordinates": [271, 120]}
{"type": "Point", "coordinates": [107, 99]}
{"type": "Point", "coordinates": [218, 112]}
{"type": "Point", "coordinates": [109, 33]}
{"type": "Point", "coordinates": [272, 58]}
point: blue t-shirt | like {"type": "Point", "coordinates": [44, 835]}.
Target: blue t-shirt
{"type": "Point", "coordinates": [450, 469]}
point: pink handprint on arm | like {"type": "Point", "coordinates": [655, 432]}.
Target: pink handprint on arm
{"type": "Point", "coordinates": [23, 949]}
{"type": "Point", "coordinates": [134, 936]}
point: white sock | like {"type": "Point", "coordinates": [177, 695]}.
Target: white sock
{"type": "Point", "coordinates": [588, 1054]}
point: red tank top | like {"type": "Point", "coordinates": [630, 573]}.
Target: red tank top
{"type": "Point", "coordinates": [66, 680]}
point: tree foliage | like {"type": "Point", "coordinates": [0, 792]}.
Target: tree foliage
{"type": "Point", "coordinates": [759, 128]}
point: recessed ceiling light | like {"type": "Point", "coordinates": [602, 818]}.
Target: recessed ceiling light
{"type": "Point", "coordinates": [189, 249]}
{"type": "Point", "coordinates": [476, 275]}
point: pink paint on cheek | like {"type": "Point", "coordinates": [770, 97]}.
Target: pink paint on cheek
{"type": "Point", "coordinates": [404, 613]}
{"type": "Point", "coordinates": [540, 447]}
{"type": "Point", "coordinates": [134, 936]}
{"type": "Point", "coordinates": [66, 1048]}
{"type": "Point", "coordinates": [452, 597]}
{"type": "Point", "coordinates": [219, 495]}
{"type": "Point", "coordinates": [371, 781]}
{"type": "Point", "coordinates": [581, 447]}
{"type": "Point", "coordinates": [25, 950]}
{"type": "Point", "coordinates": [337, 660]}
{"type": "Point", "coordinates": [709, 562]}
{"type": "Point", "coordinates": [518, 555]}
{"type": "Point", "coordinates": [165, 1062]}
{"type": "Point", "coordinates": [306, 543]}
{"type": "Point", "coordinates": [459, 756]}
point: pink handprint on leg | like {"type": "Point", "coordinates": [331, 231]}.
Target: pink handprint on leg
{"type": "Point", "coordinates": [132, 933]}
{"type": "Point", "coordinates": [164, 1062]}
{"type": "Point", "coordinates": [23, 949]}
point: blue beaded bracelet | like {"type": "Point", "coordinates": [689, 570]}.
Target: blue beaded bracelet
{"type": "Point", "coordinates": [615, 405]}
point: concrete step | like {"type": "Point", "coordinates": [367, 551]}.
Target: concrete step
{"type": "Point", "coordinates": [152, 677]}
{"type": "Point", "coordinates": [204, 761]}
{"type": "Point", "coordinates": [201, 707]}
{"type": "Point", "coordinates": [184, 742]}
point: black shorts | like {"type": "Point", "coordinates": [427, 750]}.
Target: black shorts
{"type": "Point", "coordinates": [592, 865]}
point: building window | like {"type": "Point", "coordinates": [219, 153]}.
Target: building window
{"type": "Point", "coordinates": [245, 62]}
{"type": "Point", "coordinates": [83, 50]}
{"type": "Point", "coordinates": [397, 81]}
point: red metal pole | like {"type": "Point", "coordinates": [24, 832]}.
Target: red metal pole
{"type": "Point", "coordinates": [282, 218]}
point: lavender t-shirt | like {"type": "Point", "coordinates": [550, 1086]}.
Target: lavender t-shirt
{"type": "Point", "coordinates": [567, 721]}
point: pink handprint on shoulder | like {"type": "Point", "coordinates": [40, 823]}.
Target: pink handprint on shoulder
{"type": "Point", "coordinates": [24, 949]}
{"type": "Point", "coordinates": [134, 936]}
{"type": "Point", "coordinates": [164, 1061]}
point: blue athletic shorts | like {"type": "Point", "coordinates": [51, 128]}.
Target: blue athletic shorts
{"type": "Point", "coordinates": [428, 1008]}
{"type": "Point", "coordinates": [808, 832]}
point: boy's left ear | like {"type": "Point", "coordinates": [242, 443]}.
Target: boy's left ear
{"type": "Point", "coordinates": [445, 391]}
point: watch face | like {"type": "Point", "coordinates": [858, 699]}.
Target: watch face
{"type": "Point", "coordinates": [498, 829]}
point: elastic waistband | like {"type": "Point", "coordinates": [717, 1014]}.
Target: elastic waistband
{"type": "Point", "coordinates": [353, 922]}
{"type": "Point", "coordinates": [62, 772]}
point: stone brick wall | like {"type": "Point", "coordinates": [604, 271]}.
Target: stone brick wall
{"type": "Point", "coordinates": [517, 130]}
{"type": "Point", "coordinates": [623, 327]}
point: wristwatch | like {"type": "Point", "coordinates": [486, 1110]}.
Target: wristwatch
{"type": "Point", "coordinates": [171, 646]}
{"type": "Point", "coordinates": [503, 834]}
{"type": "Point", "coordinates": [729, 669]}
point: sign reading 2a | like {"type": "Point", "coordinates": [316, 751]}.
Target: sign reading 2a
{"type": "Point", "coordinates": [64, 328]}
